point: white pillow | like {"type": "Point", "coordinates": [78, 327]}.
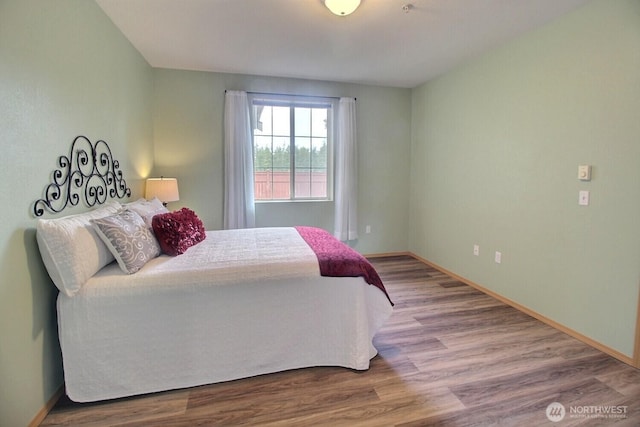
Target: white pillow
{"type": "Point", "coordinates": [128, 238]}
{"type": "Point", "coordinates": [71, 250]}
{"type": "Point", "coordinates": [147, 209]}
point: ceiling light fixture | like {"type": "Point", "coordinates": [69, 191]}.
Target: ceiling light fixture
{"type": "Point", "coordinates": [342, 7]}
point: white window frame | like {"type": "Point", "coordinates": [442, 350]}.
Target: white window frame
{"type": "Point", "coordinates": [293, 101]}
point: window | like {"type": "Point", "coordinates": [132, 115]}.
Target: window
{"type": "Point", "coordinates": [292, 148]}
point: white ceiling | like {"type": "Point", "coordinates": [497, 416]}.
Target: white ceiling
{"type": "Point", "coordinates": [378, 44]}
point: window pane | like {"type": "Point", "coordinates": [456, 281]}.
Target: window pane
{"type": "Point", "coordinates": [281, 121]}
{"type": "Point", "coordinates": [303, 165]}
{"type": "Point", "coordinates": [303, 121]}
{"type": "Point", "coordinates": [263, 119]}
{"type": "Point", "coordinates": [319, 152]}
{"type": "Point", "coordinates": [281, 185]}
{"type": "Point", "coordinates": [303, 153]}
{"type": "Point", "coordinates": [262, 141]}
{"type": "Point", "coordinates": [262, 185]}
{"type": "Point", "coordinates": [262, 164]}
{"type": "Point", "coordinates": [281, 156]}
{"type": "Point", "coordinates": [262, 153]}
{"type": "Point", "coordinates": [319, 182]}
{"type": "Point", "coordinates": [319, 122]}
{"type": "Point", "coordinates": [303, 183]}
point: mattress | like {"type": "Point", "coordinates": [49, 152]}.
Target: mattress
{"type": "Point", "coordinates": [234, 306]}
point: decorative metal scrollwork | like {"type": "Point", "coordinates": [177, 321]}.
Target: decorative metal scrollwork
{"type": "Point", "coordinates": [89, 173]}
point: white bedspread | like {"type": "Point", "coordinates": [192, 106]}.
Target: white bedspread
{"type": "Point", "coordinates": [234, 306]}
{"type": "Point", "coordinates": [224, 257]}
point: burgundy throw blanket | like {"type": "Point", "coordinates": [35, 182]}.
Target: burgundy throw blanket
{"type": "Point", "coordinates": [339, 260]}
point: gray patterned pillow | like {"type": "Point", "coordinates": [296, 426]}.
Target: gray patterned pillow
{"type": "Point", "coordinates": [128, 238]}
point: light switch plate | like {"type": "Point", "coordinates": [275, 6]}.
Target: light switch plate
{"type": "Point", "coordinates": [584, 172]}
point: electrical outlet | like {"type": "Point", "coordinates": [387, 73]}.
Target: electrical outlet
{"type": "Point", "coordinates": [498, 257]}
{"type": "Point", "coordinates": [367, 229]}
{"type": "Point", "coordinates": [583, 198]}
{"type": "Point", "coordinates": [476, 250]}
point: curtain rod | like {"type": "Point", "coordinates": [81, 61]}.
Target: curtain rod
{"type": "Point", "coordinates": [287, 94]}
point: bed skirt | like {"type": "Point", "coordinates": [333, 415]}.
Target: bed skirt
{"type": "Point", "coordinates": [181, 338]}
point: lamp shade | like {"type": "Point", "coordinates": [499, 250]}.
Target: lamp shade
{"type": "Point", "coordinates": [342, 7]}
{"type": "Point", "coordinates": [165, 189]}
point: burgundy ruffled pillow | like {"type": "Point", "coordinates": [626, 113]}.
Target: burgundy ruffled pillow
{"type": "Point", "coordinates": [177, 231]}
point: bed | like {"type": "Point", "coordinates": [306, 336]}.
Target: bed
{"type": "Point", "coordinates": [231, 305]}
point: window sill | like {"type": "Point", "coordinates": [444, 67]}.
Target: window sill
{"type": "Point", "coordinates": [294, 201]}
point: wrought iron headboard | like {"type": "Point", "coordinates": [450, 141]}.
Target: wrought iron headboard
{"type": "Point", "coordinates": [89, 173]}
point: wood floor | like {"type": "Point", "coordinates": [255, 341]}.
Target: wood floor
{"type": "Point", "coordinates": [448, 356]}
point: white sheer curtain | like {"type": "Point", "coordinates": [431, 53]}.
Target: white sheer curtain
{"type": "Point", "coordinates": [239, 206]}
{"type": "Point", "coordinates": [346, 173]}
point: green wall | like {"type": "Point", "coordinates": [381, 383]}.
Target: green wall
{"type": "Point", "coordinates": [65, 70]}
{"type": "Point", "coordinates": [493, 149]}
{"type": "Point", "coordinates": [188, 135]}
{"type": "Point", "coordinates": [496, 146]}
